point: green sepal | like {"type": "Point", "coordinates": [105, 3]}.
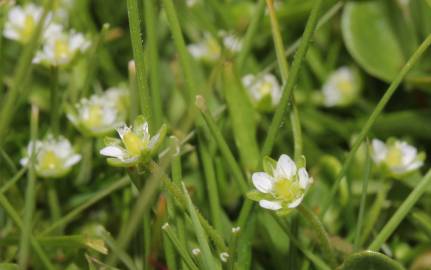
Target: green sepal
{"type": "Point", "coordinates": [161, 136]}
{"type": "Point", "coordinates": [255, 195]}
{"type": "Point", "coordinates": [111, 141]}
{"type": "Point", "coordinates": [284, 211]}
{"type": "Point", "coordinates": [269, 165]}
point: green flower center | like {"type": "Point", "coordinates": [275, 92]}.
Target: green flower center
{"type": "Point", "coordinates": [94, 117]}
{"type": "Point", "coordinates": [345, 87]}
{"type": "Point", "coordinates": [28, 28]}
{"type": "Point", "coordinates": [287, 190]}
{"type": "Point", "coordinates": [61, 48]}
{"type": "Point", "coordinates": [48, 160]}
{"type": "Point", "coordinates": [265, 89]}
{"type": "Point", "coordinates": [394, 157]}
{"type": "Point", "coordinates": [133, 143]}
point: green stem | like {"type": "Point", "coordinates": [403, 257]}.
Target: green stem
{"type": "Point", "coordinates": [150, 26]}
{"type": "Point", "coordinates": [373, 117]}
{"type": "Point", "coordinates": [289, 86]}
{"type": "Point", "coordinates": [14, 179]}
{"type": "Point", "coordinates": [22, 72]}
{"type": "Point", "coordinates": [139, 56]}
{"type": "Point", "coordinates": [250, 34]}
{"type": "Point", "coordinates": [401, 212]}
{"type": "Point", "coordinates": [94, 199]}
{"type": "Point", "coordinates": [223, 146]}
{"type": "Point", "coordinates": [208, 167]}
{"type": "Point", "coordinates": [55, 100]}
{"type": "Point", "coordinates": [318, 228]}
{"type": "Point", "coordinates": [29, 193]}
{"type": "Point", "coordinates": [363, 199]}
{"type": "Point", "coordinates": [54, 204]}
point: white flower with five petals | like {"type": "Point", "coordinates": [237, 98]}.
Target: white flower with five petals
{"type": "Point", "coordinates": [136, 144]}
{"type": "Point", "coordinates": [341, 88]}
{"type": "Point", "coordinates": [265, 91]}
{"type": "Point", "coordinates": [60, 47]}
{"type": "Point", "coordinates": [282, 186]}
{"type": "Point", "coordinates": [54, 156]}
{"type": "Point", "coordinates": [207, 50]}
{"type": "Point", "coordinates": [396, 156]}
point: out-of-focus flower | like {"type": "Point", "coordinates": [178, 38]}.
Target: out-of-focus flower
{"type": "Point", "coordinates": [265, 91]}
{"type": "Point", "coordinates": [191, 3]}
{"type": "Point", "coordinates": [136, 144]}
{"type": "Point", "coordinates": [60, 47]}
{"type": "Point", "coordinates": [282, 186]}
{"type": "Point", "coordinates": [341, 88]}
{"type": "Point", "coordinates": [398, 157]}
{"type": "Point", "coordinates": [54, 156]}
{"type": "Point", "coordinates": [207, 50]}
{"type": "Point", "coordinates": [101, 113]}
{"type": "Point", "coordinates": [231, 42]}
{"type": "Point", "coordinates": [22, 22]}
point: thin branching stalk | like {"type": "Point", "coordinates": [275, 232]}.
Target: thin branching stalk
{"type": "Point", "coordinates": [279, 115]}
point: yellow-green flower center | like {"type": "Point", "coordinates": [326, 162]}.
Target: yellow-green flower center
{"type": "Point", "coordinates": [345, 87]}
{"type": "Point", "coordinates": [133, 143]}
{"type": "Point", "coordinates": [28, 28]}
{"type": "Point", "coordinates": [213, 48]}
{"type": "Point", "coordinates": [265, 88]}
{"type": "Point", "coordinates": [287, 190]}
{"type": "Point", "coordinates": [95, 115]}
{"type": "Point", "coordinates": [394, 156]}
{"type": "Point", "coordinates": [61, 48]}
{"type": "Point", "coordinates": [48, 160]}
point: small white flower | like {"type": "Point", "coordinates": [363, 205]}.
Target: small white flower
{"type": "Point", "coordinates": [191, 3]}
{"type": "Point", "coordinates": [282, 186]}
{"type": "Point", "coordinates": [60, 47]}
{"type": "Point", "coordinates": [101, 113]}
{"type": "Point", "coordinates": [265, 91]}
{"type": "Point", "coordinates": [135, 145]}
{"type": "Point", "coordinates": [224, 256]}
{"type": "Point", "coordinates": [231, 42]}
{"type": "Point", "coordinates": [341, 88]}
{"type": "Point", "coordinates": [22, 22]}
{"type": "Point", "coordinates": [54, 157]}
{"type": "Point", "coordinates": [207, 50]}
{"type": "Point", "coordinates": [236, 229]}
{"type": "Point", "coordinates": [196, 251]}
{"type": "Point", "coordinates": [397, 156]}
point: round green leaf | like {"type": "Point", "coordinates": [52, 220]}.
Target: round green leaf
{"type": "Point", "coordinates": [370, 260]}
{"type": "Point", "coordinates": [370, 40]}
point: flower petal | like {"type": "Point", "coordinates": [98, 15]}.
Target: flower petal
{"type": "Point", "coordinates": [296, 202]}
{"type": "Point", "coordinates": [272, 205]}
{"type": "Point", "coordinates": [409, 153]}
{"type": "Point", "coordinates": [113, 151]}
{"type": "Point", "coordinates": [304, 179]}
{"type": "Point", "coordinates": [379, 150]}
{"type": "Point", "coordinates": [262, 181]}
{"type": "Point", "coordinates": [286, 168]}
{"type": "Point", "coordinates": [72, 160]}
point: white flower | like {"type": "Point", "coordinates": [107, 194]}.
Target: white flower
{"type": "Point", "coordinates": [191, 3]}
{"type": "Point", "coordinates": [341, 88]}
{"type": "Point", "coordinates": [231, 41]}
{"type": "Point", "coordinates": [136, 144]}
{"type": "Point", "coordinates": [397, 156]}
{"type": "Point", "coordinates": [54, 157]}
{"type": "Point", "coordinates": [265, 91]}
{"type": "Point", "coordinates": [224, 256]}
{"type": "Point", "coordinates": [101, 113]}
{"type": "Point", "coordinates": [206, 50]}
{"type": "Point", "coordinates": [22, 22]}
{"type": "Point", "coordinates": [60, 47]}
{"type": "Point", "coordinates": [196, 251]}
{"type": "Point", "coordinates": [282, 186]}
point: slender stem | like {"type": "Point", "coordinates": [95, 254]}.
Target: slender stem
{"type": "Point", "coordinates": [401, 212]}
{"type": "Point", "coordinates": [55, 101]}
{"type": "Point", "coordinates": [22, 72]}
{"type": "Point", "coordinates": [250, 34]}
{"type": "Point", "coordinates": [97, 197]}
{"type": "Point", "coordinates": [139, 56]}
{"type": "Point", "coordinates": [208, 167]}
{"type": "Point", "coordinates": [293, 77]}
{"type": "Point", "coordinates": [373, 117]}
{"type": "Point", "coordinates": [29, 193]}
{"type": "Point", "coordinates": [314, 221]}
{"type": "Point", "coordinates": [14, 179]}
{"type": "Point", "coordinates": [363, 198]}
{"type": "Point", "coordinates": [54, 204]}
{"type": "Point", "coordinates": [150, 26]}
{"type": "Point", "coordinates": [223, 146]}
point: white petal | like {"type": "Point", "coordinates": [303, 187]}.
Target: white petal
{"type": "Point", "coordinates": [414, 165]}
{"type": "Point", "coordinates": [122, 130]}
{"type": "Point", "coordinates": [272, 205]}
{"type": "Point", "coordinates": [296, 202]}
{"type": "Point", "coordinates": [304, 179]}
{"type": "Point", "coordinates": [113, 151]}
{"type": "Point", "coordinates": [72, 160]}
{"type": "Point", "coordinates": [263, 182]}
{"type": "Point", "coordinates": [286, 168]}
{"type": "Point", "coordinates": [409, 153]}
{"type": "Point", "coordinates": [379, 150]}
{"type": "Point", "coordinates": [24, 161]}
